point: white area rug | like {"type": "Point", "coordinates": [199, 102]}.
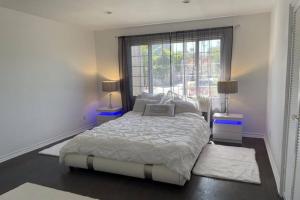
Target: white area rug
{"type": "Point", "coordinates": [54, 150]}
{"type": "Point", "coordinates": [226, 162]}
{"type": "Point", "coordinates": [29, 191]}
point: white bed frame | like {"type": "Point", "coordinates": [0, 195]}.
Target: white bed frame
{"type": "Point", "coordinates": [145, 171]}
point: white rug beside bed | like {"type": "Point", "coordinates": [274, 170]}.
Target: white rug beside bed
{"type": "Point", "coordinates": [227, 162]}
{"type": "Point", "coordinates": [54, 150]}
{"type": "Point", "coordinates": [29, 191]}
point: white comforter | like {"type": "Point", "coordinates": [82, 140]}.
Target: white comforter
{"type": "Point", "coordinates": [171, 141]}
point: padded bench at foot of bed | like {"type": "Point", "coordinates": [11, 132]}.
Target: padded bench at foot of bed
{"type": "Point", "coordinates": [154, 172]}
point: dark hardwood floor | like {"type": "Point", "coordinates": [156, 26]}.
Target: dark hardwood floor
{"type": "Point", "coordinates": [46, 171]}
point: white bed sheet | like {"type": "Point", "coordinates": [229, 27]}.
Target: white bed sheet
{"type": "Point", "coordinates": [174, 142]}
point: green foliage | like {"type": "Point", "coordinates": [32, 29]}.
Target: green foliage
{"type": "Point", "coordinates": [162, 59]}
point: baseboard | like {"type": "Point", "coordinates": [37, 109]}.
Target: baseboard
{"type": "Point", "coordinates": [253, 135]}
{"type": "Point", "coordinates": [45, 143]}
{"type": "Point", "coordinates": [273, 164]}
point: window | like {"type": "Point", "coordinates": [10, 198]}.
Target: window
{"type": "Point", "coordinates": [140, 70]}
{"type": "Point", "coordinates": [188, 68]}
{"type": "Point", "coordinates": [189, 63]}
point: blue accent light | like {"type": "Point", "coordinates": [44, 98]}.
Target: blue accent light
{"type": "Point", "coordinates": [228, 122]}
{"type": "Point", "coordinates": [118, 113]}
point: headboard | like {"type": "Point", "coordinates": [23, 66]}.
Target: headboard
{"type": "Point", "coordinates": [205, 105]}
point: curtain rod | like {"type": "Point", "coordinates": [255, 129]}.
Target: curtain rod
{"type": "Point", "coordinates": [234, 27]}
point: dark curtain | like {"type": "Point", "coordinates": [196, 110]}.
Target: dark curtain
{"type": "Point", "coordinates": [178, 74]}
{"type": "Point", "coordinates": [125, 75]}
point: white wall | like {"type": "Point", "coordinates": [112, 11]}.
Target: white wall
{"type": "Point", "coordinates": [47, 81]}
{"type": "Point", "coordinates": [249, 64]}
{"type": "Point", "coordinates": [277, 83]}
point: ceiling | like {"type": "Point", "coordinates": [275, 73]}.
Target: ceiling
{"type": "Point", "coordinates": [127, 13]}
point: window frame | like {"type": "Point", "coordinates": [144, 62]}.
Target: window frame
{"type": "Point", "coordinates": [196, 61]}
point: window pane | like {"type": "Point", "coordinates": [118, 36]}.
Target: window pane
{"type": "Point", "coordinates": [139, 74]}
{"type": "Point", "coordinates": [184, 68]}
{"type": "Point", "coordinates": [177, 48]}
{"type": "Point", "coordinates": [160, 68]}
{"type": "Point", "coordinates": [137, 90]}
{"type": "Point", "coordinates": [141, 50]}
{"type": "Point", "coordinates": [209, 67]}
{"type": "Point", "coordinates": [190, 68]}
{"type": "Point", "coordinates": [138, 61]}
{"type": "Point", "coordinates": [215, 43]}
{"type": "Point", "coordinates": [140, 81]}
{"type": "Point", "coordinates": [177, 67]}
{"type": "Point", "coordinates": [140, 71]}
{"type": "Point", "coordinates": [179, 60]}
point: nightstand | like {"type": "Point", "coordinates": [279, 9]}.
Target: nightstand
{"type": "Point", "coordinates": [106, 114]}
{"type": "Point", "coordinates": [227, 128]}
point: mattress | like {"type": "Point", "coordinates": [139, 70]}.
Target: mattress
{"type": "Point", "coordinates": [173, 143]}
{"type": "Point", "coordinates": [154, 172]}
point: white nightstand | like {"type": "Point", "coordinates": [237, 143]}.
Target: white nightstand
{"type": "Point", "coordinates": [106, 114]}
{"type": "Point", "coordinates": [227, 128]}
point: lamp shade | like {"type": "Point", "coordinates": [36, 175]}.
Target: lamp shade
{"type": "Point", "coordinates": [227, 87]}
{"type": "Point", "coordinates": [110, 86]}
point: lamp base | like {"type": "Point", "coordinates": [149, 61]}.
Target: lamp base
{"type": "Point", "coordinates": [109, 104]}
{"type": "Point", "coordinates": [226, 104]}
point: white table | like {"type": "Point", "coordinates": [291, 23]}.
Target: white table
{"type": "Point", "coordinates": [106, 114]}
{"type": "Point", "coordinates": [227, 128]}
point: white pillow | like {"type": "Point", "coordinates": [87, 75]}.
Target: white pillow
{"type": "Point", "coordinates": [165, 99]}
{"type": "Point", "coordinates": [174, 96]}
{"type": "Point", "coordinates": [151, 96]}
{"type": "Point", "coordinates": [139, 105]}
{"type": "Point", "coordinates": [195, 102]}
{"type": "Point", "coordinates": [160, 110]}
{"type": "Point", "coordinates": [185, 106]}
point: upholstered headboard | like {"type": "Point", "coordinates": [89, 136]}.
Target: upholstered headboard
{"type": "Point", "coordinates": [205, 106]}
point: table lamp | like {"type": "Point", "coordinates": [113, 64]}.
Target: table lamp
{"type": "Point", "coordinates": [110, 86]}
{"type": "Point", "coordinates": [227, 87]}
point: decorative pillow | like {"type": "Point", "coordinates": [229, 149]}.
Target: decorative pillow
{"type": "Point", "coordinates": [160, 110]}
{"type": "Point", "coordinates": [173, 96]}
{"type": "Point", "coordinates": [195, 102]}
{"type": "Point", "coordinates": [146, 95]}
{"type": "Point", "coordinates": [165, 99]}
{"type": "Point", "coordinates": [139, 105]}
{"type": "Point", "coordinates": [184, 106]}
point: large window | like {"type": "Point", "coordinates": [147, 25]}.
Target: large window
{"type": "Point", "coordinates": [140, 70]}
{"type": "Point", "coordinates": [188, 68]}
{"type": "Point", "coordinates": [189, 63]}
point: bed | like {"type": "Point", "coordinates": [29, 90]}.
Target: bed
{"type": "Point", "coordinates": [160, 148]}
